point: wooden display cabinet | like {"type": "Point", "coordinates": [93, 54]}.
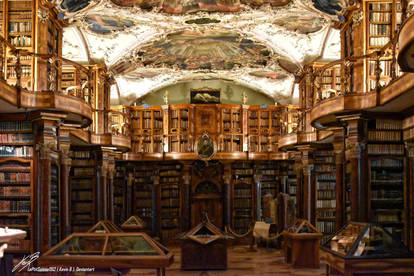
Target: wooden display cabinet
{"type": "Point", "coordinates": [302, 237]}
{"type": "Point", "coordinates": [204, 247]}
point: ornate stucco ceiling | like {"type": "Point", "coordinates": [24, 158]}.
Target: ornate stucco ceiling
{"type": "Point", "coordinates": [150, 44]}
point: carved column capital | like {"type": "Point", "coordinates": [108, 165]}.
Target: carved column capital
{"type": "Point", "coordinates": [44, 151]}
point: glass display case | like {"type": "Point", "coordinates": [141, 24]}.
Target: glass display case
{"type": "Point", "coordinates": [349, 248]}
{"type": "Point", "coordinates": [133, 224]}
{"type": "Point", "coordinates": [109, 250]}
{"type": "Point", "coordinates": [104, 226]}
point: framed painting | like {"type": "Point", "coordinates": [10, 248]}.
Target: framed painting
{"type": "Point", "coordinates": [204, 96]}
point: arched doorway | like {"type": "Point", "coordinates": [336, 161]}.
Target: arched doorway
{"type": "Point", "coordinates": [207, 198]}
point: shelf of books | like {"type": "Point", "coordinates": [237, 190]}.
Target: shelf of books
{"type": "Point", "coordinates": [83, 184]}
{"type": "Point", "coordinates": [243, 203]}
{"type": "Point", "coordinates": [231, 129]}
{"type": "Point", "coordinates": [325, 192]}
{"type": "Point", "coordinates": [119, 194]}
{"type": "Point", "coordinates": [144, 193]}
{"type": "Point", "coordinates": [16, 153]}
{"type": "Point", "coordinates": [179, 129]}
{"type": "Point", "coordinates": [269, 179]}
{"type": "Point", "coordinates": [383, 19]}
{"type": "Point", "coordinates": [386, 174]}
{"type": "Point", "coordinates": [147, 129]}
{"type": "Point", "coordinates": [19, 32]}
{"type": "Point", "coordinates": [288, 169]}
{"type": "Point", "coordinates": [54, 205]}
{"type": "Point", "coordinates": [330, 82]}
{"type": "Point", "coordinates": [170, 207]}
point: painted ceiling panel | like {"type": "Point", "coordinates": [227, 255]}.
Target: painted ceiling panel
{"type": "Point", "coordinates": [148, 44]}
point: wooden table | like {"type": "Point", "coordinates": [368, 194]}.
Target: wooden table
{"type": "Point", "coordinates": [302, 249]}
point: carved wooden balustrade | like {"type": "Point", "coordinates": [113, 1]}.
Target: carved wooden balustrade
{"type": "Point", "coordinates": [13, 77]}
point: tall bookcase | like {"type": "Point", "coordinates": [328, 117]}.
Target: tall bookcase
{"type": "Point", "coordinates": [386, 175]}
{"type": "Point", "coordinates": [325, 192]}
{"type": "Point", "coordinates": [16, 180]}
{"type": "Point", "coordinates": [329, 82]}
{"type": "Point", "coordinates": [382, 20]}
{"type": "Point", "coordinates": [170, 200]}
{"type": "Point", "coordinates": [119, 194]}
{"type": "Point", "coordinates": [144, 193]}
{"type": "Point", "coordinates": [83, 190]}
{"type": "Point", "coordinates": [147, 130]}
{"type": "Point", "coordinates": [269, 179]}
{"type": "Point", "coordinates": [243, 196]}
{"type": "Point", "coordinates": [55, 228]}
{"type": "Point", "coordinates": [21, 27]}
{"type": "Point", "coordinates": [179, 128]}
{"type": "Point", "coordinates": [231, 129]}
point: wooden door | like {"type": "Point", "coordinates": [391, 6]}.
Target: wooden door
{"type": "Point", "coordinates": [213, 206]}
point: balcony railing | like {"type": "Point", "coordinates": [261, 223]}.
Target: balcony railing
{"type": "Point", "coordinates": [14, 76]}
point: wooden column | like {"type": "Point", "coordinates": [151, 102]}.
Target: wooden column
{"type": "Point", "coordinates": [299, 187]}
{"type": "Point", "coordinates": [227, 192]}
{"type": "Point", "coordinates": [186, 216]}
{"type": "Point", "coordinates": [46, 148]}
{"type": "Point", "coordinates": [355, 153]}
{"type": "Point", "coordinates": [409, 196]}
{"type": "Point", "coordinates": [308, 184]}
{"type": "Point", "coordinates": [339, 151]}
{"type": "Point", "coordinates": [110, 193]}
{"type": "Point", "coordinates": [65, 165]}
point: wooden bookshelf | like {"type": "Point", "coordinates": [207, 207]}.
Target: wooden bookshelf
{"type": "Point", "coordinates": [231, 128]}
{"type": "Point", "coordinates": [83, 190]}
{"type": "Point", "coordinates": [386, 175]}
{"type": "Point", "coordinates": [119, 195]}
{"type": "Point", "coordinates": [147, 129]}
{"type": "Point", "coordinates": [170, 200]}
{"type": "Point", "coordinates": [144, 193]}
{"type": "Point", "coordinates": [269, 179]}
{"type": "Point", "coordinates": [179, 128]}
{"type": "Point", "coordinates": [16, 180]}
{"type": "Point", "coordinates": [382, 20]}
{"type": "Point", "coordinates": [243, 199]}
{"type": "Point", "coordinates": [325, 192]}
{"type": "Point", "coordinates": [55, 223]}
{"type": "Point", "coordinates": [21, 27]}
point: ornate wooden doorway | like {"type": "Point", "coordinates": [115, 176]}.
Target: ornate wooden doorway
{"type": "Point", "coordinates": [207, 198]}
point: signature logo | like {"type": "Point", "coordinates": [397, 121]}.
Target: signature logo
{"type": "Point", "coordinates": [26, 262]}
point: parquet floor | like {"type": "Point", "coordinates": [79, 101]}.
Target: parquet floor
{"type": "Point", "coordinates": [241, 263]}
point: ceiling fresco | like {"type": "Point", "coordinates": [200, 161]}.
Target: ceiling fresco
{"type": "Point", "coordinates": [148, 44]}
{"type": "Point", "coordinates": [106, 24]}
{"type": "Point", "coordinates": [191, 6]}
{"type": "Point", "coordinates": [195, 50]}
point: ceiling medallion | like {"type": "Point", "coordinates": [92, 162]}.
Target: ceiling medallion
{"type": "Point", "coordinates": [205, 147]}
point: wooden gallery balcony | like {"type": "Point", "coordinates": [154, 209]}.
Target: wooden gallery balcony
{"type": "Point", "coordinates": [23, 90]}
{"type": "Point", "coordinates": [406, 43]}
{"type": "Point", "coordinates": [386, 90]}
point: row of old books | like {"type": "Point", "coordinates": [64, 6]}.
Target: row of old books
{"type": "Point", "coordinates": [15, 206]}
{"type": "Point", "coordinates": [11, 177]}
{"type": "Point", "coordinates": [391, 149]}
{"type": "Point", "coordinates": [15, 191]}
{"type": "Point", "coordinates": [16, 151]}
